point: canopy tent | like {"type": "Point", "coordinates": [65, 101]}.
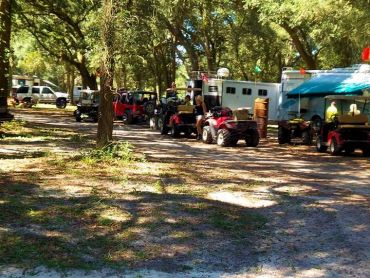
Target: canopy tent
{"type": "Point", "coordinates": [332, 84]}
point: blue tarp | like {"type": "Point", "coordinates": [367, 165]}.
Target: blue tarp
{"type": "Point", "coordinates": [332, 84]}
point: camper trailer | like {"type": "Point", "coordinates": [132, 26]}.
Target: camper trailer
{"type": "Point", "coordinates": [304, 93]}
{"type": "Point", "coordinates": [238, 94]}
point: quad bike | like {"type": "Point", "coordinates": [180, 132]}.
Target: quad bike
{"type": "Point", "coordinates": [227, 131]}
{"type": "Point", "coordinates": [295, 128]}
{"type": "Point", "coordinates": [347, 130]}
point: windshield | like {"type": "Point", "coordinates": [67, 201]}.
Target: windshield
{"type": "Point", "coordinates": [350, 106]}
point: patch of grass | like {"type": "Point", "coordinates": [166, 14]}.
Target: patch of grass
{"type": "Point", "coordinates": [110, 154]}
{"type": "Point", "coordinates": [78, 139]}
{"type": "Point", "coordinates": [14, 126]}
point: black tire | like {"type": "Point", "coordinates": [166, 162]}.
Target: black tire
{"type": "Point", "coordinates": [78, 119]}
{"type": "Point", "coordinates": [61, 103]}
{"type": "Point", "coordinates": [334, 149]}
{"type": "Point", "coordinates": [95, 119]}
{"type": "Point", "coordinates": [175, 131]}
{"type": "Point", "coordinates": [366, 152]}
{"type": "Point", "coordinates": [153, 123]}
{"type": "Point", "coordinates": [306, 137]}
{"type": "Point", "coordinates": [127, 118]}
{"type": "Point", "coordinates": [316, 124]}
{"type": "Point", "coordinates": [207, 135]}
{"type": "Point", "coordinates": [149, 108]}
{"type": "Point", "coordinates": [224, 138]}
{"type": "Point", "coordinates": [320, 147]}
{"type": "Point", "coordinates": [253, 138]}
{"type": "Point", "coordinates": [283, 135]}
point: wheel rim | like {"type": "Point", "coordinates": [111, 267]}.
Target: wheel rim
{"type": "Point", "coordinates": [205, 133]}
{"type": "Point", "coordinates": [220, 138]}
{"type": "Point", "coordinates": [332, 146]}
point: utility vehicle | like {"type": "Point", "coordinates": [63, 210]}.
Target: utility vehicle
{"type": "Point", "coordinates": [227, 131]}
{"type": "Point", "coordinates": [134, 106]}
{"type": "Point", "coordinates": [88, 106]}
{"type": "Point", "coordinates": [173, 115]}
{"type": "Point", "coordinates": [348, 129]}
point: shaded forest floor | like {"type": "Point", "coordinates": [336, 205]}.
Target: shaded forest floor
{"type": "Point", "coordinates": [175, 207]}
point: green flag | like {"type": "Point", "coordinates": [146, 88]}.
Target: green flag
{"type": "Point", "coordinates": [257, 69]}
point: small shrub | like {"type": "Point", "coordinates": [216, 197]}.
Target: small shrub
{"type": "Point", "coordinates": [114, 152]}
{"type": "Point", "coordinates": [15, 125]}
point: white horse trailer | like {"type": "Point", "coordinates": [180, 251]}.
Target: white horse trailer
{"type": "Point", "coordinates": [239, 94]}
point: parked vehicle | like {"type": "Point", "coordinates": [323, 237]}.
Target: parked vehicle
{"type": "Point", "coordinates": [182, 121]}
{"type": "Point", "coordinates": [295, 128]}
{"type": "Point", "coordinates": [349, 128]}
{"type": "Point", "coordinates": [23, 95]}
{"type": "Point", "coordinates": [134, 106]}
{"type": "Point", "coordinates": [41, 94]}
{"type": "Point", "coordinates": [88, 106]}
{"type": "Point", "coordinates": [227, 131]}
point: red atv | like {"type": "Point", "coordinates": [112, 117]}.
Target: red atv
{"type": "Point", "coordinates": [221, 128]}
{"type": "Point", "coordinates": [134, 106]}
{"type": "Point", "coordinates": [348, 129]}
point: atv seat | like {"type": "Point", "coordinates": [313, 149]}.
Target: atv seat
{"type": "Point", "coordinates": [353, 120]}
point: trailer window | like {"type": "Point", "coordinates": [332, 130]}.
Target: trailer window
{"type": "Point", "coordinates": [212, 89]}
{"type": "Point", "coordinates": [247, 91]}
{"type": "Point", "coordinates": [262, 92]}
{"type": "Point", "coordinates": [230, 90]}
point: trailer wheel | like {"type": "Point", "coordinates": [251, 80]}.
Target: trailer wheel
{"type": "Point", "coordinates": [334, 148]}
{"type": "Point", "coordinates": [320, 147]}
{"type": "Point", "coordinates": [207, 135]}
{"type": "Point", "coordinates": [283, 135]}
{"type": "Point", "coordinates": [253, 138]}
{"type": "Point", "coordinates": [224, 138]}
{"type": "Point", "coordinates": [306, 137]}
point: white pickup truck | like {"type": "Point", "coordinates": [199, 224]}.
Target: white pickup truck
{"type": "Point", "coordinates": [41, 94]}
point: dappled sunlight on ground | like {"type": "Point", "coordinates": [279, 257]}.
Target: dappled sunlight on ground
{"type": "Point", "coordinates": [186, 208]}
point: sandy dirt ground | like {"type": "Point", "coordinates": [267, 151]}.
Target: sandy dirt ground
{"type": "Point", "coordinates": [317, 205]}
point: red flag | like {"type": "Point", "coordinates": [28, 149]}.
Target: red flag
{"type": "Point", "coordinates": [302, 71]}
{"type": "Point", "coordinates": [366, 54]}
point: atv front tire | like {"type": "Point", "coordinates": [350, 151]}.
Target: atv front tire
{"type": "Point", "coordinates": [207, 135]}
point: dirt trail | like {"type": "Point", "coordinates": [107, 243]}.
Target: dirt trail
{"type": "Point", "coordinates": [318, 205]}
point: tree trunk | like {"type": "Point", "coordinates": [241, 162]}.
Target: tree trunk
{"type": "Point", "coordinates": [5, 31]}
{"type": "Point", "coordinates": [105, 122]}
{"type": "Point", "coordinates": [88, 80]}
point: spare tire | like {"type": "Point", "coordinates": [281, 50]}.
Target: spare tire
{"type": "Point", "coordinates": [149, 108]}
